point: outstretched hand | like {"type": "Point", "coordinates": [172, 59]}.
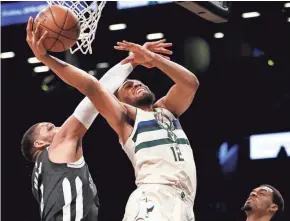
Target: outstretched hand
{"type": "Point", "coordinates": [144, 54]}
{"type": "Point", "coordinates": [35, 39]}
{"type": "Point", "coordinates": [159, 47]}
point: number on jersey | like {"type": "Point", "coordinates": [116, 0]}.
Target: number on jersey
{"type": "Point", "coordinates": [37, 174]}
{"type": "Point", "coordinates": [177, 153]}
{"type": "Point", "coordinates": [66, 188]}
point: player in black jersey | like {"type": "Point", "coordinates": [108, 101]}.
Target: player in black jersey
{"type": "Point", "coordinates": [61, 182]}
{"type": "Point", "coordinates": [65, 191]}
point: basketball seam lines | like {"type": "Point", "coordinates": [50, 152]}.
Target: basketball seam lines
{"type": "Point", "coordinates": [62, 28]}
{"type": "Point", "coordinates": [56, 39]}
{"type": "Point", "coordinates": [58, 26]}
{"type": "Point", "coordinates": [66, 20]}
{"type": "Point", "coordinates": [58, 33]}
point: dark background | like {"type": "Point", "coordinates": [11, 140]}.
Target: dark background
{"type": "Point", "coordinates": [239, 95]}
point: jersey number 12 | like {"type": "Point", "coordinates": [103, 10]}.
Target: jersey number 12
{"type": "Point", "coordinates": [176, 153]}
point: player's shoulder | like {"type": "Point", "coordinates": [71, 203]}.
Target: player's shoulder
{"type": "Point", "coordinates": [46, 162]}
{"type": "Point", "coordinates": [43, 155]}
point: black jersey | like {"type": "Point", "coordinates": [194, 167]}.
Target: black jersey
{"type": "Point", "coordinates": [65, 192]}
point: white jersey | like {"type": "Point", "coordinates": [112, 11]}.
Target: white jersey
{"type": "Point", "coordinates": [160, 151]}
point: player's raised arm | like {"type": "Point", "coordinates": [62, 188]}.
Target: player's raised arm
{"type": "Point", "coordinates": [180, 96]}
{"type": "Point", "coordinates": [71, 132]}
{"type": "Point", "coordinates": [103, 100]}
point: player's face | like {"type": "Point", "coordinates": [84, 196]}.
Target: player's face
{"type": "Point", "coordinates": [45, 132]}
{"type": "Point", "coordinates": [136, 93]}
{"type": "Point", "coordinates": [259, 200]}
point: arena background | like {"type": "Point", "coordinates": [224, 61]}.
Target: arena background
{"type": "Point", "coordinates": [244, 90]}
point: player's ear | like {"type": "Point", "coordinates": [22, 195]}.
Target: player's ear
{"type": "Point", "coordinates": [39, 144]}
{"type": "Point", "coordinates": [273, 207]}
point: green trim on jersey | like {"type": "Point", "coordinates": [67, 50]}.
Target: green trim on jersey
{"type": "Point", "coordinates": [153, 143]}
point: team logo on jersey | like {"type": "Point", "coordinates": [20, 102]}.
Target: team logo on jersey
{"type": "Point", "coordinates": [166, 123]}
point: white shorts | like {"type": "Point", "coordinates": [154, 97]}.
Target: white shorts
{"type": "Point", "coordinates": [155, 202]}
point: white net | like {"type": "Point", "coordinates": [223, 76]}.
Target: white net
{"type": "Point", "coordinates": [88, 14]}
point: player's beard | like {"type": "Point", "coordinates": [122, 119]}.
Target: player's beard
{"type": "Point", "coordinates": [146, 100]}
{"type": "Point", "coordinates": [246, 208]}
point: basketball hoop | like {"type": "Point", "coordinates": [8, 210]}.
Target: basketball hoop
{"type": "Point", "coordinates": [88, 15]}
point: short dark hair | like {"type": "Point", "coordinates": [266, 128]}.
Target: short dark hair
{"type": "Point", "coordinates": [27, 144]}
{"type": "Point", "coordinates": [277, 198]}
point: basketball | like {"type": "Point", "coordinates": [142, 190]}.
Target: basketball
{"type": "Point", "coordinates": [62, 26]}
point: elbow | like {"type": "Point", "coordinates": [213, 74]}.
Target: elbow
{"type": "Point", "coordinates": [196, 82]}
{"type": "Point", "coordinates": [193, 83]}
{"type": "Point", "coordinates": [90, 87]}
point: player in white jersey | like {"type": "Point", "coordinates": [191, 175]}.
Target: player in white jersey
{"type": "Point", "coordinates": [160, 152]}
{"type": "Point", "coordinates": [157, 146]}
{"type": "Point", "coordinates": [164, 168]}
